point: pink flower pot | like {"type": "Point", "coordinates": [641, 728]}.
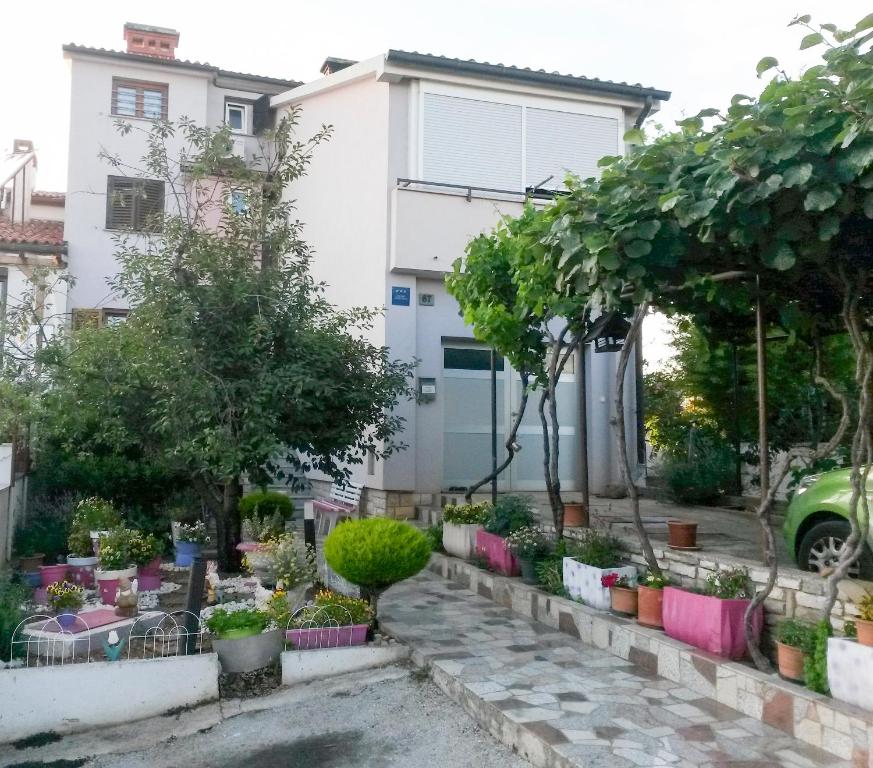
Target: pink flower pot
{"type": "Point", "coordinates": [81, 570]}
{"type": "Point", "coordinates": [49, 574]}
{"type": "Point", "coordinates": [327, 637]}
{"type": "Point", "coordinates": [107, 583]}
{"type": "Point", "coordinates": [148, 577]}
{"type": "Point", "coordinates": [493, 549]}
{"type": "Point", "coordinates": [708, 623]}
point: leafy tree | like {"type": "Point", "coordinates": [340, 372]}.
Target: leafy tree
{"type": "Point", "coordinates": [232, 357]}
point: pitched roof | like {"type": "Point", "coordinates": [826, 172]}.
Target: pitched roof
{"type": "Point", "coordinates": [180, 64]}
{"type": "Point", "coordinates": [44, 197]}
{"type": "Point", "coordinates": [522, 74]}
{"type": "Point", "coordinates": [39, 232]}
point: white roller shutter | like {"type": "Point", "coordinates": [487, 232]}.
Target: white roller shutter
{"type": "Point", "coordinates": [558, 142]}
{"type": "Point", "coordinates": [467, 141]}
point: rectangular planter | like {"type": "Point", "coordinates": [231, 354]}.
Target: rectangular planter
{"type": "Point", "coordinates": [327, 637]}
{"type": "Point", "coordinates": [708, 623]}
{"type": "Point", "coordinates": [459, 540]}
{"type": "Point", "coordinates": [493, 549]}
{"type": "Point", "coordinates": [850, 672]}
{"type": "Point", "coordinates": [583, 582]}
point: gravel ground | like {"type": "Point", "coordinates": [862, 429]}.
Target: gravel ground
{"type": "Point", "coordinates": [357, 721]}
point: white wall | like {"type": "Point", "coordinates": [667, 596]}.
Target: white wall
{"type": "Point", "coordinates": [47, 212]}
{"type": "Point", "coordinates": [80, 696]}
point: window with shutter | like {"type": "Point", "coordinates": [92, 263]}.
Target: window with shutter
{"type": "Point", "coordinates": [557, 142]}
{"type": "Point", "coordinates": [134, 204]}
{"type": "Point", "coordinates": [134, 98]}
{"type": "Point", "coordinates": [468, 141]}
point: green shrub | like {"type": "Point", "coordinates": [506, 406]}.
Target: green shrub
{"type": "Point", "coordinates": [550, 574]}
{"type": "Point", "coordinates": [45, 528]}
{"type": "Point", "coordinates": [95, 514]}
{"type": "Point", "coordinates": [375, 553]}
{"type": "Point", "coordinates": [704, 477]}
{"type": "Point", "coordinates": [466, 514]}
{"type": "Point", "coordinates": [434, 535]}
{"type": "Point", "coordinates": [264, 528]}
{"type": "Point", "coordinates": [12, 600]}
{"type": "Point", "coordinates": [729, 584]}
{"type": "Point", "coordinates": [815, 665]}
{"type": "Point", "coordinates": [509, 514]}
{"type": "Point", "coordinates": [265, 504]}
{"type": "Point", "coordinates": [117, 549]}
{"type": "Point", "coordinates": [797, 634]}
{"type": "Point", "coordinates": [596, 548]}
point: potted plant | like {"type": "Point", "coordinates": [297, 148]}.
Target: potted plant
{"type": "Point", "coordinates": [145, 551]}
{"type": "Point", "coordinates": [460, 525]}
{"type": "Point", "coordinates": [264, 514]}
{"type": "Point", "coordinates": [509, 514]}
{"type": "Point", "coordinates": [114, 562]}
{"type": "Point", "coordinates": [528, 545]}
{"type": "Point", "coordinates": [96, 516]}
{"type": "Point", "coordinates": [713, 621]}
{"type": "Point", "coordinates": [575, 515]}
{"type": "Point", "coordinates": [292, 570]}
{"type": "Point", "coordinates": [31, 563]}
{"type": "Point", "coordinates": [50, 574]}
{"type": "Point", "coordinates": [594, 556]}
{"type": "Point", "coordinates": [794, 640]}
{"type": "Point", "coordinates": [244, 638]}
{"type": "Point", "coordinates": [191, 538]}
{"type": "Point", "coordinates": [622, 595]}
{"type": "Point", "coordinates": [65, 600]}
{"type": "Point", "coordinates": [81, 560]}
{"type": "Point", "coordinates": [681, 534]}
{"type": "Point", "coordinates": [864, 621]}
{"type": "Point", "coordinates": [332, 620]}
{"type": "Point", "coordinates": [650, 599]}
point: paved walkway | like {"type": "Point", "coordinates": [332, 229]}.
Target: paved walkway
{"type": "Point", "coordinates": [565, 703]}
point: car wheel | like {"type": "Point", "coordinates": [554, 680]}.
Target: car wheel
{"type": "Point", "coordinates": [821, 547]}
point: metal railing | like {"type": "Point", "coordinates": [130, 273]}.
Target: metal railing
{"type": "Point", "coordinates": [537, 193]}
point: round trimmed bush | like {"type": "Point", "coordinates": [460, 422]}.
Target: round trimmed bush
{"type": "Point", "coordinates": [265, 505]}
{"type": "Point", "coordinates": [375, 553]}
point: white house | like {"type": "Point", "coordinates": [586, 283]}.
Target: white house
{"type": "Point", "coordinates": [427, 152]}
{"type": "Point", "coordinates": [33, 286]}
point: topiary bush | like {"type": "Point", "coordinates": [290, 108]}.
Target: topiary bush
{"type": "Point", "coordinates": [265, 505]}
{"type": "Point", "coordinates": [375, 553]}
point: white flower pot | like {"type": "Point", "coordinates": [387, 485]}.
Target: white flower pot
{"type": "Point", "coordinates": [850, 672]}
{"type": "Point", "coordinates": [583, 582]}
{"type": "Point", "coordinates": [123, 573]}
{"type": "Point", "coordinates": [460, 539]}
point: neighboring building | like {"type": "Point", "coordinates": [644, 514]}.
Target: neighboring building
{"type": "Point", "coordinates": [32, 255]}
{"type": "Point", "coordinates": [426, 153]}
{"type": "Point", "coordinates": [144, 82]}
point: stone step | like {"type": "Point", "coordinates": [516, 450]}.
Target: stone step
{"type": "Point", "coordinates": [429, 515]}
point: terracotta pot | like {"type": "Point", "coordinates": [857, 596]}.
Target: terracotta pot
{"type": "Point", "coordinates": [865, 631]}
{"type": "Point", "coordinates": [790, 660]}
{"type": "Point", "coordinates": [649, 607]}
{"type": "Point", "coordinates": [575, 515]}
{"type": "Point", "coordinates": [682, 534]}
{"type": "Point", "coordinates": [624, 600]}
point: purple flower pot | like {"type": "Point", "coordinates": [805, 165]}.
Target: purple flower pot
{"type": "Point", "coordinates": [32, 578]}
{"type": "Point", "coordinates": [148, 577]}
{"type": "Point", "coordinates": [708, 623]}
{"type": "Point", "coordinates": [327, 637]}
{"type": "Point", "coordinates": [66, 619]}
{"type": "Point", "coordinates": [186, 551]}
{"type": "Point", "coordinates": [50, 574]}
{"type": "Point", "coordinates": [493, 549]}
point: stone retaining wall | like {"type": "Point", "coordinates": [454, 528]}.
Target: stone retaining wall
{"type": "Point", "coordinates": [399, 505]}
{"type": "Point", "coordinates": [837, 728]}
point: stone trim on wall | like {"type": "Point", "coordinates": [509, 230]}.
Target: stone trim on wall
{"type": "Point", "coordinates": [837, 728]}
{"type": "Point", "coordinates": [399, 505]}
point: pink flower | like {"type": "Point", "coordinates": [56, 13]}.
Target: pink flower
{"type": "Point", "coordinates": [609, 580]}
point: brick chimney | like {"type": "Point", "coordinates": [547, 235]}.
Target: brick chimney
{"type": "Point", "coordinates": [151, 41]}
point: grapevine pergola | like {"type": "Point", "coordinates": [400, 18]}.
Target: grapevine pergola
{"type": "Point", "coordinates": [760, 212]}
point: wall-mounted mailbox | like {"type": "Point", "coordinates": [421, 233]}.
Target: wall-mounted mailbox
{"type": "Point", "coordinates": [427, 390]}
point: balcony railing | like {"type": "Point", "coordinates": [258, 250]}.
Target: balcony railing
{"type": "Point", "coordinates": [537, 193]}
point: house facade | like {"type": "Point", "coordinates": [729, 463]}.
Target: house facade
{"type": "Point", "coordinates": [144, 82]}
{"type": "Point", "coordinates": [33, 258]}
{"type": "Point", "coordinates": [427, 152]}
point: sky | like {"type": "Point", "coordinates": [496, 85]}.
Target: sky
{"type": "Point", "coordinates": [699, 50]}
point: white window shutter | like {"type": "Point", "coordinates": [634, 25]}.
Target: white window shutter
{"type": "Point", "coordinates": [558, 142]}
{"type": "Point", "coordinates": [472, 142]}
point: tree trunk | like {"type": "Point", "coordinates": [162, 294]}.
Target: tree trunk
{"type": "Point", "coordinates": [227, 524]}
{"type": "Point", "coordinates": [619, 424]}
{"type": "Point", "coordinates": [547, 464]}
{"type": "Point", "coordinates": [510, 441]}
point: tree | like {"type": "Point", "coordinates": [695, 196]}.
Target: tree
{"type": "Point", "coordinates": [232, 357]}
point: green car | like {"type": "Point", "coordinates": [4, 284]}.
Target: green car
{"type": "Point", "coordinates": [817, 523]}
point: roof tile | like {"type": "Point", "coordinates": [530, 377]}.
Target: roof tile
{"type": "Point", "coordinates": [33, 232]}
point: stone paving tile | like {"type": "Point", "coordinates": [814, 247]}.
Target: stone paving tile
{"type": "Point", "coordinates": [582, 704]}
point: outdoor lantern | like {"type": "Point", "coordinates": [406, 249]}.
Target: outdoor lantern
{"type": "Point", "coordinates": [608, 332]}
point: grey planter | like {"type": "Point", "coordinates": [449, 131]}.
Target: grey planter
{"type": "Point", "coordinates": [246, 654]}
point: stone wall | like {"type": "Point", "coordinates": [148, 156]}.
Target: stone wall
{"type": "Point", "coordinates": [399, 505]}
